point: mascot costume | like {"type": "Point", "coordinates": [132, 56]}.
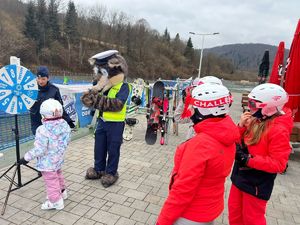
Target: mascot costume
{"type": "Point", "coordinates": [109, 96]}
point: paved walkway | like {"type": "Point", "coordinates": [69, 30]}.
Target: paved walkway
{"type": "Point", "coordinates": [139, 193]}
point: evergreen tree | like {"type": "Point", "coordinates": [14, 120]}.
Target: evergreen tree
{"type": "Point", "coordinates": [30, 25]}
{"type": "Point", "coordinates": [54, 30]}
{"type": "Point", "coordinates": [177, 38]}
{"type": "Point", "coordinates": [42, 23]}
{"type": "Point", "coordinates": [176, 43]}
{"type": "Point", "coordinates": [189, 50]}
{"type": "Point", "coordinates": [71, 30]}
{"type": "Point", "coordinates": [166, 36]}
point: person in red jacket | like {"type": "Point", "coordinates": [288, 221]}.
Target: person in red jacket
{"type": "Point", "coordinates": [201, 164]}
{"type": "Point", "coordinates": [262, 153]}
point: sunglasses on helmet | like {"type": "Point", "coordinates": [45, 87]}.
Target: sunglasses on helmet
{"type": "Point", "coordinates": [253, 104]}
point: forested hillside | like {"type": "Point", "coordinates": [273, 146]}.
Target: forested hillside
{"type": "Point", "coordinates": [61, 35]}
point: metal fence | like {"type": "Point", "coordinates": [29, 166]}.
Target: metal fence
{"type": "Point", "coordinates": [7, 126]}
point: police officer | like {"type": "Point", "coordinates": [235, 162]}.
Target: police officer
{"type": "Point", "coordinates": [109, 96]}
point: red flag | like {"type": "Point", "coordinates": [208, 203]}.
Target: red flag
{"type": "Point", "coordinates": [292, 75]}
{"type": "Point", "coordinates": [277, 65]}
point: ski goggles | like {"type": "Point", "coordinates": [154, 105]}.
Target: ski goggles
{"type": "Point", "coordinates": [253, 104]}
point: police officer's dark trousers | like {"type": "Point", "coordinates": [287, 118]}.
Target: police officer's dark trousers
{"type": "Point", "coordinates": [108, 140]}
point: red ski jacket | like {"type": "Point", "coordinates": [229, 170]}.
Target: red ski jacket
{"type": "Point", "coordinates": [201, 165]}
{"type": "Point", "coordinates": [271, 153]}
{"type": "Point", "coordinates": [269, 157]}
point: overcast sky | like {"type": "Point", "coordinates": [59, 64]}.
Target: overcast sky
{"type": "Point", "coordinates": [237, 21]}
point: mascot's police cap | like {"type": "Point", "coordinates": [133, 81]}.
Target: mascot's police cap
{"type": "Point", "coordinates": [102, 57]}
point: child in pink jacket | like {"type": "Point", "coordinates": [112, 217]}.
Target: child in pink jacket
{"type": "Point", "coordinates": [51, 141]}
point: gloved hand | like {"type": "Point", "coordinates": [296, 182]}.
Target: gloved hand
{"type": "Point", "coordinates": [22, 161]}
{"type": "Point", "coordinates": [242, 155]}
{"type": "Point", "coordinates": [72, 124]}
{"type": "Point", "coordinates": [89, 98]}
{"type": "Point", "coordinates": [136, 100]}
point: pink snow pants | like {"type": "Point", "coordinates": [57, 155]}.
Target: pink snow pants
{"type": "Point", "coordinates": [55, 183]}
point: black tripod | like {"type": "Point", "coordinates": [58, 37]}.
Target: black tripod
{"type": "Point", "coordinates": [17, 169]}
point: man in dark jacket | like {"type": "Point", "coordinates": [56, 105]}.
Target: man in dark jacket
{"type": "Point", "coordinates": [46, 91]}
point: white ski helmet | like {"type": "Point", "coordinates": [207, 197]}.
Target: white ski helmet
{"type": "Point", "coordinates": [270, 98]}
{"type": "Point", "coordinates": [210, 79]}
{"type": "Point", "coordinates": [211, 99]}
{"type": "Point", "coordinates": [51, 109]}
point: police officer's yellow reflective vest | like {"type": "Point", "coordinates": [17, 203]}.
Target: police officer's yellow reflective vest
{"type": "Point", "coordinates": [115, 116]}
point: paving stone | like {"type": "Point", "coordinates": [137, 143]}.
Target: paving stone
{"type": "Point", "coordinates": [9, 211]}
{"type": "Point", "coordinates": [65, 218]}
{"type": "Point", "coordinates": [283, 222]}
{"type": "Point", "coordinates": [25, 204]}
{"type": "Point", "coordinates": [122, 190]}
{"type": "Point", "coordinates": [98, 193]}
{"type": "Point", "coordinates": [69, 205]}
{"type": "Point", "coordinates": [275, 213]}
{"type": "Point", "coordinates": [105, 208]}
{"type": "Point", "coordinates": [106, 217]}
{"type": "Point", "coordinates": [152, 220]}
{"type": "Point", "coordinates": [121, 210]}
{"type": "Point", "coordinates": [96, 203]}
{"type": "Point", "coordinates": [84, 221]}
{"type": "Point", "coordinates": [43, 221]}
{"type": "Point", "coordinates": [297, 218]}
{"type": "Point", "coordinates": [271, 220]}
{"type": "Point", "coordinates": [135, 194]}
{"type": "Point", "coordinates": [91, 213]}
{"type": "Point", "coordinates": [286, 208]}
{"type": "Point", "coordinates": [127, 204]}
{"type": "Point", "coordinates": [20, 217]}
{"type": "Point", "coordinates": [140, 216]}
{"type": "Point", "coordinates": [80, 209]}
{"type": "Point", "coordinates": [4, 222]}
{"type": "Point", "coordinates": [154, 209]}
{"type": "Point", "coordinates": [141, 205]}
{"type": "Point", "coordinates": [45, 214]}
{"type": "Point", "coordinates": [152, 199]}
{"type": "Point", "coordinates": [115, 198]}
{"type": "Point", "coordinates": [129, 184]}
{"type": "Point", "coordinates": [125, 221]}
{"type": "Point", "coordinates": [145, 188]}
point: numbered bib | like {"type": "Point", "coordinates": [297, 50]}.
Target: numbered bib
{"type": "Point", "coordinates": [18, 89]}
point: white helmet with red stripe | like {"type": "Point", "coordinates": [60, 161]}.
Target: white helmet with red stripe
{"type": "Point", "coordinates": [211, 99]}
{"type": "Point", "coordinates": [270, 98]}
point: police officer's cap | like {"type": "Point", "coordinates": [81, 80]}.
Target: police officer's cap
{"type": "Point", "coordinates": [102, 57]}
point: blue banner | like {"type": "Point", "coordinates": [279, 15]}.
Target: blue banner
{"type": "Point", "coordinates": [83, 113]}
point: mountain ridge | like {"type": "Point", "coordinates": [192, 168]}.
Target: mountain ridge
{"type": "Point", "coordinates": [245, 56]}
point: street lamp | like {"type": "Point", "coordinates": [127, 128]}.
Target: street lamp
{"type": "Point", "coordinates": [201, 55]}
